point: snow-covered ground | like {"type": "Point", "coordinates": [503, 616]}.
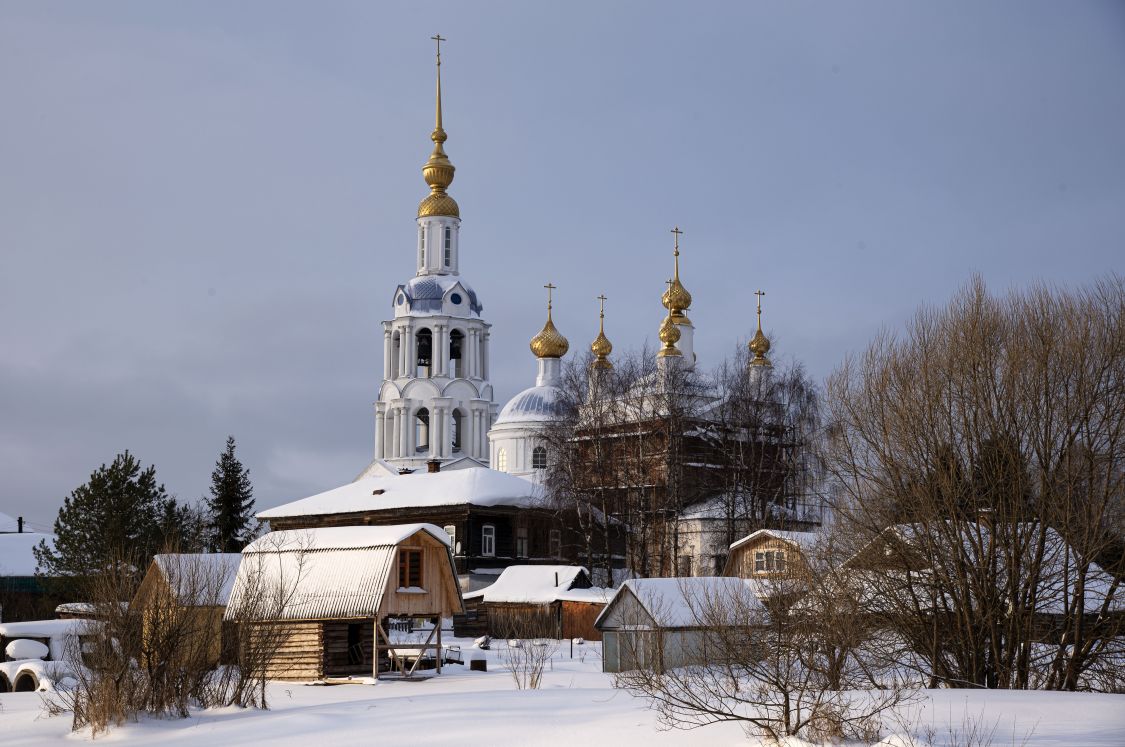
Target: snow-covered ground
{"type": "Point", "coordinates": [577, 705]}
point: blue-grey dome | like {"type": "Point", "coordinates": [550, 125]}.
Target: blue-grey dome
{"type": "Point", "coordinates": [539, 403]}
{"type": "Point", "coordinates": [426, 292]}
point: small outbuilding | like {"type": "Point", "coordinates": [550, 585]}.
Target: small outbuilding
{"type": "Point", "coordinates": [535, 601]}
{"type": "Point", "coordinates": [664, 623]}
{"type": "Point", "coordinates": [194, 584]}
{"type": "Point", "coordinates": [326, 595]}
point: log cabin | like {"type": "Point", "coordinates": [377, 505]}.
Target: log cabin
{"type": "Point", "coordinates": [319, 601]}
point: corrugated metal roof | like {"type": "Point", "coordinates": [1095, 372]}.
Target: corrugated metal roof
{"type": "Point", "coordinates": [311, 584]}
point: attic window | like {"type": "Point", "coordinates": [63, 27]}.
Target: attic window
{"type": "Point", "coordinates": [769, 560]}
{"type": "Point", "coordinates": [410, 569]}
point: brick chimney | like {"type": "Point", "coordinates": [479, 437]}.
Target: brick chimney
{"type": "Point", "coordinates": [434, 465]}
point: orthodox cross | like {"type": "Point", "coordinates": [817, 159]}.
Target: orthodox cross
{"type": "Point", "coordinates": [439, 39]}
{"type": "Point", "coordinates": [759, 293]}
{"type": "Point", "coordinates": [678, 233]}
{"type": "Point", "coordinates": [549, 288]}
{"type": "Point", "coordinates": [602, 301]}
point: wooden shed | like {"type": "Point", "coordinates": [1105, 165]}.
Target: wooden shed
{"type": "Point", "coordinates": [326, 595]}
{"type": "Point", "coordinates": [535, 601]}
{"type": "Point", "coordinates": [664, 623]}
{"type": "Point", "coordinates": [196, 587]}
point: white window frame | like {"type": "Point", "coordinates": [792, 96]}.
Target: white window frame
{"type": "Point", "coordinates": [451, 530]}
{"type": "Point", "coordinates": [501, 460]}
{"type": "Point", "coordinates": [488, 540]}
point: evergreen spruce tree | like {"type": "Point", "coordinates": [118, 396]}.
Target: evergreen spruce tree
{"type": "Point", "coordinates": [116, 516]}
{"type": "Point", "coordinates": [231, 503]}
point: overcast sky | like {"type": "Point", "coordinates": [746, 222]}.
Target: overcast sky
{"type": "Point", "coordinates": [205, 207]}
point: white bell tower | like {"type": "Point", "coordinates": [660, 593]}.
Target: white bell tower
{"type": "Point", "coordinates": [435, 402]}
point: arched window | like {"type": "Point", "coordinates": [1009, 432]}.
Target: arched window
{"type": "Point", "coordinates": [502, 460]}
{"type": "Point", "coordinates": [448, 244]}
{"type": "Point", "coordinates": [456, 342]}
{"type": "Point", "coordinates": [458, 418]}
{"type": "Point", "coordinates": [539, 457]}
{"type": "Point", "coordinates": [422, 430]}
{"type": "Point", "coordinates": [488, 540]}
{"type": "Point", "coordinates": [424, 343]}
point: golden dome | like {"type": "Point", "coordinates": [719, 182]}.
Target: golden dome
{"type": "Point", "coordinates": [760, 344]}
{"type": "Point", "coordinates": [677, 299]}
{"type": "Point", "coordinates": [601, 347]}
{"type": "Point", "coordinates": [438, 171]}
{"type": "Point", "coordinates": [549, 343]}
{"type": "Point", "coordinates": [669, 335]}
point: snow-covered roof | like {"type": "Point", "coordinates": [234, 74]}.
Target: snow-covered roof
{"type": "Point", "coordinates": [207, 576]}
{"type": "Point", "coordinates": [331, 572]}
{"type": "Point", "coordinates": [42, 628]}
{"type": "Point", "coordinates": [8, 523]}
{"type": "Point", "coordinates": [1057, 571]}
{"type": "Point", "coordinates": [689, 602]}
{"type": "Point", "coordinates": [803, 540]}
{"type": "Point", "coordinates": [16, 556]}
{"type": "Point", "coordinates": [478, 486]}
{"type": "Point", "coordinates": [540, 584]}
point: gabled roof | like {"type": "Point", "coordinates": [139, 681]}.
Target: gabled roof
{"type": "Point", "coordinates": [209, 577]}
{"type": "Point", "coordinates": [478, 486]}
{"type": "Point", "coordinates": [326, 573]}
{"type": "Point", "coordinates": [803, 540]}
{"type": "Point", "coordinates": [685, 602]}
{"type": "Point", "coordinates": [541, 584]}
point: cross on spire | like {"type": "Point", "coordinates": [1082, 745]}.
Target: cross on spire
{"type": "Point", "coordinates": [759, 293]}
{"type": "Point", "coordinates": [439, 39]}
{"type": "Point", "coordinates": [550, 287]}
{"type": "Point", "coordinates": [678, 234]}
{"type": "Point", "coordinates": [602, 300]}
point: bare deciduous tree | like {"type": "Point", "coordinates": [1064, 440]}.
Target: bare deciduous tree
{"type": "Point", "coordinates": [980, 464]}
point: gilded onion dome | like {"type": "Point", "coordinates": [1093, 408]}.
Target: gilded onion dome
{"type": "Point", "coordinates": [669, 335]}
{"type": "Point", "coordinates": [601, 347]}
{"type": "Point", "coordinates": [760, 344]}
{"type": "Point", "coordinates": [438, 171]}
{"type": "Point", "coordinates": [549, 343]}
{"type": "Point", "coordinates": [677, 299]}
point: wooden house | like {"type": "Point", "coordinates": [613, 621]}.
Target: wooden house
{"type": "Point", "coordinates": [195, 588]}
{"type": "Point", "coordinates": [326, 597]}
{"type": "Point", "coordinates": [535, 601]}
{"type": "Point", "coordinates": [493, 519]}
{"type": "Point", "coordinates": [770, 554]}
{"type": "Point", "coordinates": [23, 596]}
{"type": "Point", "coordinates": [664, 623]}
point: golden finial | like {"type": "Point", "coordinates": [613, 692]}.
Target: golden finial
{"type": "Point", "coordinates": [669, 334]}
{"type": "Point", "coordinates": [549, 343]}
{"type": "Point", "coordinates": [676, 299]}
{"type": "Point", "coordinates": [601, 347]}
{"type": "Point", "coordinates": [438, 171]}
{"type": "Point", "coordinates": [760, 345]}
